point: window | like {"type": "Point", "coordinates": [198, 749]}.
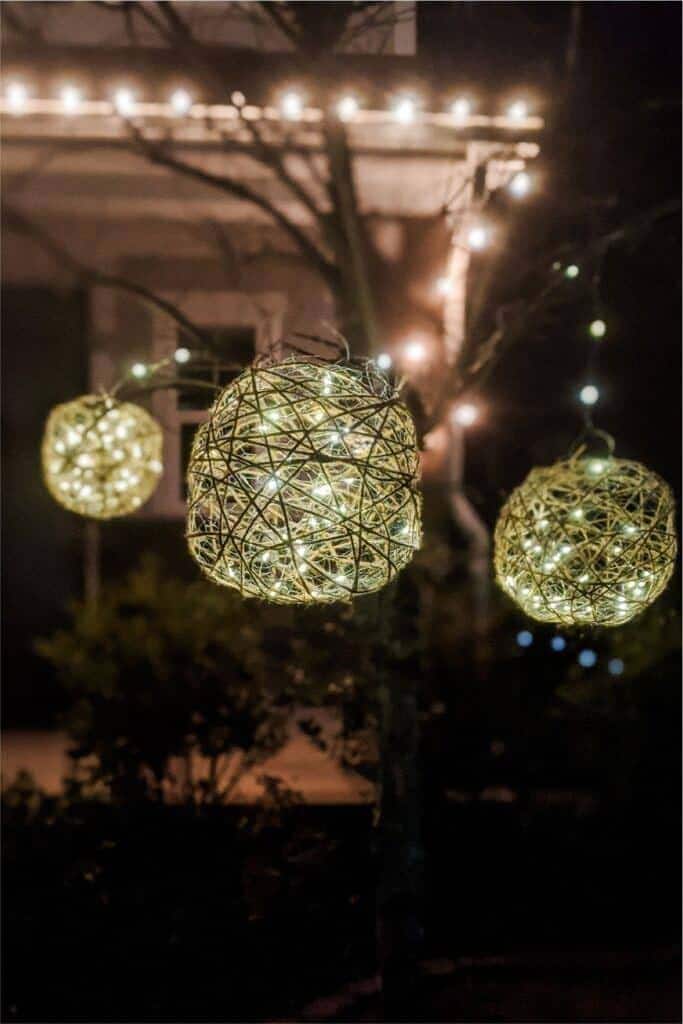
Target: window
{"type": "Point", "coordinates": [237, 346]}
{"type": "Point", "coordinates": [241, 326]}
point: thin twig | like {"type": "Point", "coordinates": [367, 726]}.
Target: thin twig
{"type": "Point", "coordinates": [14, 220]}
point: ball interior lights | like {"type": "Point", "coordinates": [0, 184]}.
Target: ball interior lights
{"type": "Point", "coordinates": [587, 541]}
{"type": "Point", "coordinates": [303, 484]}
{"type": "Point", "coordinates": [101, 457]}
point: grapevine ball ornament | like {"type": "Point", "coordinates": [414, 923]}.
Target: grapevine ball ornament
{"type": "Point", "coordinates": [303, 484]}
{"type": "Point", "coordinates": [589, 540]}
{"type": "Point", "coordinates": [101, 457]}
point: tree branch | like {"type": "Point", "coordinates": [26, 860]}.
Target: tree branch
{"type": "Point", "coordinates": [271, 11]}
{"type": "Point", "coordinates": [17, 221]}
{"type": "Point", "coordinates": [178, 34]}
{"type": "Point", "coordinates": [158, 155]}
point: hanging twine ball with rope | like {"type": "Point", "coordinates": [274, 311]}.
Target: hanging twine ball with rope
{"type": "Point", "coordinates": [303, 484]}
{"type": "Point", "coordinates": [588, 541]}
{"type": "Point", "coordinates": [101, 457]}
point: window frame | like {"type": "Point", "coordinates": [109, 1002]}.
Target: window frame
{"type": "Point", "coordinates": [262, 311]}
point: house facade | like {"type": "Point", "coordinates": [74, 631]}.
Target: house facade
{"type": "Point", "coordinates": [68, 166]}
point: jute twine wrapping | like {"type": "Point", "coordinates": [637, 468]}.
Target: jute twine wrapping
{"type": "Point", "coordinates": [303, 484]}
{"type": "Point", "coordinates": [587, 541]}
{"type": "Point", "coordinates": [101, 458]}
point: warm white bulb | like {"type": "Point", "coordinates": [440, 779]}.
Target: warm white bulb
{"type": "Point", "coordinates": [572, 271]}
{"type": "Point", "coordinates": [347, 108]}
{"type": "Point", "coordinates": [16, 94]}
{"type": "Point", "coordinates": [139, 370]}
{"type": "Point", "coordinates": [415, 351]}
{"type": "Point", "coordinates": [444, 286]}
{"type": "Point", "coordinates": [477, 237]}
{"type": "Point", "coordinates": [384, 361]}
{"type": "Point", "coordinates": [518, 110]}
{"type": "Point", "coordinates": [520, 185]}
{"type": "Point", "coordinates": [589, 394]}
{"type": "Point", "coordinates": [404, 110]}
{"type": "Point", "coordinates": [124, 101]}
{"type": "Point", "coordinates": [292, 105]}
{"type": "Point", "coordinates": [181, 101]}
{"type": "Point", "coordinates": [461, 109]}
{"type": "Point", "coordinates": [466, 414]}
{"type": "Point", "coordinates": [182, 355]}
{"type": "Point", "coordinates": [598, 328]}
{"type": "Point", "coordinates": [71, 99]}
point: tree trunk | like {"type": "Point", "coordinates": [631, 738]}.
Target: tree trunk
{"type": "Point", "coordinates": [399, 890]}
{"type": "Point", "coordinates": [355, 301]}
{"type": "Point", "coordinates": [478, 540]}
{"type": "Point", "coordinates": [91, 562]}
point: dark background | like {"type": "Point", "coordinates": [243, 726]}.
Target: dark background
{"type": "Point", "coordinates": [580, 848]}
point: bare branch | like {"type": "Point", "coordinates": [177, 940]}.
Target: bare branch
{"type": "Point", "coordinates": [29, 33]}
{"type": "Point", "coordinates": [159, 155]}
{"type": "Point", "coordinates": [177, 33]}
{"type": "Point", "coordinates": [513, 320]}
{"type": "Point", "coordinates": [17, 221]}
{"type": "Point", "coordinates": [176, 24]}
{"type": "Point", "coordinates": [272, 11]}
{"type": "Point", "coordinates": [272, 157]}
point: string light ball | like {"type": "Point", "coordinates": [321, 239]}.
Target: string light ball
{"type": "Point", "coordinates": [303, 484]}
{"type": "Point", "coordinates": [587, 541]}
{"type": "Point", "coordinates": [101, 457]}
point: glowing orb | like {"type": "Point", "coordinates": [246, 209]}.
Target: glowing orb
{"type": "Point", "coordinates": [101, 458]}
{"type": "Point", "coordinates": [303, 484]}
{"type": "Point", "coordinates": [587, 541]}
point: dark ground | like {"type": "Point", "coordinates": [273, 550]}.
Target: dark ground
{"type": "Point", "coordinates": [533, 912]}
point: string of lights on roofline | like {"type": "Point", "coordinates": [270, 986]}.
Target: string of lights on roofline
{"type": "Point", "coordinates": [291, 105]}
{"type": "Point", "coordinates": [405, 109]}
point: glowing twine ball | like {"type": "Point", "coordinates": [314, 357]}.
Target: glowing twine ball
{"type": "Point", "coordinates": [303, 484]}
{"type": "Point", "coordinates": [101, 457]}
{"type": "Point", "coordinates": [586, 541]}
